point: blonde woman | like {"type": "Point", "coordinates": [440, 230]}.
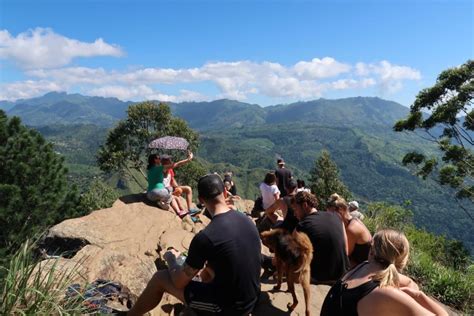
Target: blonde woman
{"type": "Point", "coordinates": [376, 287]}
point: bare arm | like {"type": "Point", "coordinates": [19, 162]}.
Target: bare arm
{"type": "Point", "coordinates": [182, 162]}
{"type": "Point", "coordinates": [276, 196]}
{"type": "Point", "coordinates": [270, 212]}
{"type": "Point", "coordinates": [390, 301]}
{"type": "Point", "coordinates": [346, 242]}
{"type": "Point", "coordinates": [180, 275]}
{"type": "Point", "coordinates": [425, 301]}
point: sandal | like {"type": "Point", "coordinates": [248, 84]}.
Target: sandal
{"type": "Point", "coordinates": [182, 213]}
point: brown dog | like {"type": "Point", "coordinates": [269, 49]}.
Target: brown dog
{"type": "Point", "coordinates": [293, 255]}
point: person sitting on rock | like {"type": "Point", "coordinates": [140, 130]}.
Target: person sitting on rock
{"type": "Point", "coordinates": [289, 221]}
{"type": "Point", "coordinates": [302, 186]}
{"type": "Point", "coordinates": [230, 245]}
{"type": "Point", "coordinates": [354, 209]}
{"type": "Point", "coordinates": [376, 286]}
{"type": "Point", "coordinates": [269, 190]}
{"type": "Point", "coordinates": [157, 191]}
{"type": "Point", "coordinates": [331, 202]}
{"type": "Point", "coordinates": [172, 184]}
{"type": "Point", "coordinates": [327, 234]}
{"type": "Point", "coordinates": [358, 235]}
{"type": "Point", "coordinates": [228, 178]}
{"type": "Point", "coordinates": [229, 196]}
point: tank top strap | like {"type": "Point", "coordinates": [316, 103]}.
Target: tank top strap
{"type": "Point", "coordinates": [351, 272]}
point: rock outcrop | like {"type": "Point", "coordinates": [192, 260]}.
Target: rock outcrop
{"type": "Point", "coordinates": [125, 244]}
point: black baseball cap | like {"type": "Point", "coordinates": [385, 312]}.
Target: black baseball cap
{"type": "Point", "coordinates": [210, 186]}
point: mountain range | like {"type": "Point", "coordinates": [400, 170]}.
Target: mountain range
{"type": "Point", "coordinates": [247, 138]}
{"type": "Point", "coordinates": [61, 108]}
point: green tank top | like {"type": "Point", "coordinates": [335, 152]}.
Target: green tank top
{"type": "Point", "coordinates": [155, 178]}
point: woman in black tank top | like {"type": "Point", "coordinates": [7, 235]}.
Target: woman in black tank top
{"type": "Point", "coordinates": [342, 300]}
{"type": "Point", "coordinates": [354, 294]}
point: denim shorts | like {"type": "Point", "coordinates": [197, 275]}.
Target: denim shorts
{"type": "Point", "coordinates": [162, 195]}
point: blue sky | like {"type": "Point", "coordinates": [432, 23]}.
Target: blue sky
{"type": "Point", "coordinates": [263, 52]}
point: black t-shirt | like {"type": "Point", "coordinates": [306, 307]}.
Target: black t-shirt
{"type": "Point", "coordinates": [231, 246]}
{"type": "Point", "coordinates": [283, 175]}
{"type": "Point", "coordinates": [325, 231]}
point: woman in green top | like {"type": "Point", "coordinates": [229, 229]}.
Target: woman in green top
{"type": "Point", "coordinates": [156, 189]}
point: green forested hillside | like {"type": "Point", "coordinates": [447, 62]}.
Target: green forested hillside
{"type": "Point", "coordinates": [369, 166]}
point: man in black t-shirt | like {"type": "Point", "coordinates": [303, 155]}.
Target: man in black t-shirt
{"type": "Point", "coordinates": [327, 234]}
{"type": "Point", "coordinates": [230, 249]}
{"type": "Point", "coordinates": [283, 177]}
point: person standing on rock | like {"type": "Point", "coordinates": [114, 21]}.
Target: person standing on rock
{"type": "Point", "coordinates": [229, 247]}
{"type": "Point", "coordinates": [283, 176]}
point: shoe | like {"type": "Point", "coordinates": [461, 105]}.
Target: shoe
{"type": "Point", "coordinates": [182, 213]}
{"type": "Point", "coordinates": [196, 219]}
{"type": "Point", "coordinates": [194, 211]}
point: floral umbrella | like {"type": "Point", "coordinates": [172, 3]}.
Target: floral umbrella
{"type": "Point", "coordinates": [169, 142]}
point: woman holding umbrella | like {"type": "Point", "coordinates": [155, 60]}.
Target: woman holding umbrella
{"type": "Point", "coordinates": [157, 192]}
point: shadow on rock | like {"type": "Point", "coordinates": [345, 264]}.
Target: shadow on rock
{"type": "Point", "coordinates": [265, 307]}
{"type": "Point", "coordinates": [137, 198]}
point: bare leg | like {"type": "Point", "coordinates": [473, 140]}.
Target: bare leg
{"type": "Point", "coordinates": [178, 202]}
{"type": "Point", "coordinates": [151, 296]}
{"type": "Point", "coordinates": [189, 195]}
{"type": "Point", "coordinates": [175, 206]}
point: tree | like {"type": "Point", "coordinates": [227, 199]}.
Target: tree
{"type": "Point", "coordinates": [34, 192]}
{"type": "Point", "coordinates": [98, 196]}
{"type": "Point", "coordinates": [126, 147]}
{"type": "Point", "coordinates": [324, 180]}
{"type": "Point", "coordinates": [445, 112]}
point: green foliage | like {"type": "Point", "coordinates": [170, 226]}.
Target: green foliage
{"type": "Point", "coordinates": [381, 215]}
{"type": "Point", "coordinates": [34, 191]}
{"type": "Point", "coordinates": [324, 180]}
{"type": "Point", "coordinates": [29, 288]}
{"type": "Point", "coordinates": [190, 173]}
{"type": "Point", "coordinates": [451, 287]}
{"type": "Point", "coordinates": [450, 98]}
{"type": "Point", "coordinates": [127, 144]}
{"type": "Point", "coordinates": [100, 195]}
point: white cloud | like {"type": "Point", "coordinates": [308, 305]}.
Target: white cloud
{"type": "Point", "coordinates": [144, 92]}
{"type": "Point", "coordinates": [390, 76]}
{"type": "Point", "coordinates": [42, 48]}
{"type": "Point", "coordinates": [28, 89]}
{"type": "Point", "coordinates": [320, 68]}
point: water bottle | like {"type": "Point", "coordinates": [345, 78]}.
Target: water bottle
{"type": "Point", "coordinates": [181, 259]}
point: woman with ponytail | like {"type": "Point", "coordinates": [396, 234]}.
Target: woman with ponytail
{"type": "Point", "coordinates": [377, 287]}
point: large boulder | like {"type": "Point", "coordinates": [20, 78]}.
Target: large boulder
{"type": "Point", "coordinates": [125, 244]}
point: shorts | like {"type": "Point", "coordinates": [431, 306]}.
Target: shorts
{"type": "Point", "coordinates": [162, 195]}
{"type": "Point", "coordinates": [202, 299]}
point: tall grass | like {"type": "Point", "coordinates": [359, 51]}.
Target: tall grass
{"type": "Point", "coordinates": [31, 288]}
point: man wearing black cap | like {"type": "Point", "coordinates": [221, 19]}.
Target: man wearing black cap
{"type": "Point", "coordinates": [283, 177]}
{"type": "Point", "coordinates": [229, 247]}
